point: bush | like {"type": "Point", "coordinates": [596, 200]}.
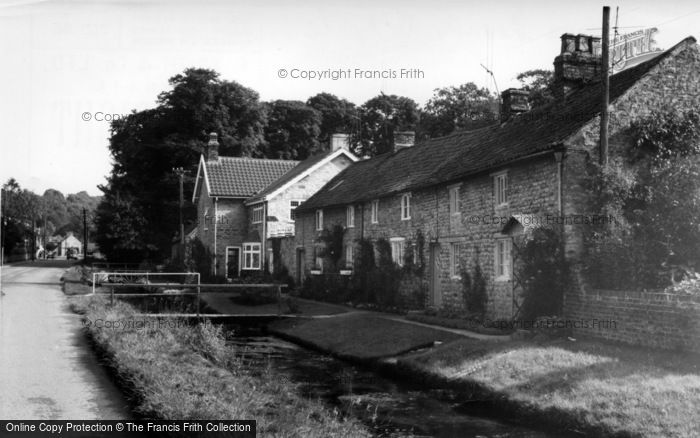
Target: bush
{"type": "Point", "coordinates": [544, 272]}
{"type": "Point", "coordinates": [474, 291]}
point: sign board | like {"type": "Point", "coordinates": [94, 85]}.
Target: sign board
{"type": "Point", "coordinates": [630, 49]}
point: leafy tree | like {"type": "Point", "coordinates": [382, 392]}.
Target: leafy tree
{"type": "Point", "coordinates": [147, 145]}
{"type": "Point", "coordinates": [292, 130]}
{"type": "Point", "coordinates": [20, 209]}
{"type": "Point", "coordinates": [337, 115]}
{"type": "Point", "coordinates": [120, 225]}
{"type": "Point", "coordinates": [381, 116]}
{"type": "Point", "coordinates": [464, 107]}
{"type": "Point", "coordinates": [654, 197]}
{"type": "Point", "coordinates": [538, 83]}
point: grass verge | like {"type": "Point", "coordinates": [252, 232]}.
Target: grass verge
{"type": "Point", "coordinates": [601, 389]}
{"type": "Point", "coordinates": [182, 371]}
{"type": "Point", "coordinates": [361, 336]}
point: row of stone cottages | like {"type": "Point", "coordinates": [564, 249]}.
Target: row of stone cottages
{"type": "Point", "coordinates": [467, 192]}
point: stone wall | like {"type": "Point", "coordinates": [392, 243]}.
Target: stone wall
{"type": "Point", "coordinates": [229, 217]}
{"type": "Point", "coordinates": [532, 189]}
{"type": "Point", "coordinates": [648, 318]}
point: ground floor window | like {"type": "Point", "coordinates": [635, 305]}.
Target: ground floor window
{"type": "Point", "coordinates": [502, 259]}
{"type": "Point", "coordinates": [349, 256]}
{"type": "Point", "coordinates": [251, 256]}
{"type": "Point", "coordinates": [398, 247]}
{"type": "Point", "coordinates": [456, 260]}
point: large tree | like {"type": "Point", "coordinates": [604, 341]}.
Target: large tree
{"type": "Point", "coordinates": [292, 130]}
{"type": "Point", "coordinates": [538, 83]}
{"type": "Point", "coordinates": [147, 145]}
{"type": "Point", "coordinates": [380, 117]}
{"type": "Point", "coordinates": [337, 115]}
{"type": "Point", "coordinates": [464, 107]}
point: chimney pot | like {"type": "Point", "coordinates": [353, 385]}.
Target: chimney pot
{"type": "Point", "coordinates": [340, 141]}
{"type": "Point", "coordinates": [578, 63]}
{"type": "Point", "coordinates": [404, 139]}
{"type": "Point", "coordinates": [213, 147]}
{"type": "Point", "coordinates": [514, 101]}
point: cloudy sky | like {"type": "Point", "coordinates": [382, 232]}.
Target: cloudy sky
{"type": "Point", "coordinates": [64, 59]}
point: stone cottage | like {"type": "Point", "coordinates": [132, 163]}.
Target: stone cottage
{"type": "Point", "coordinates": [246, 204]}
{"type": "Point", "coordinates": [468, 193]}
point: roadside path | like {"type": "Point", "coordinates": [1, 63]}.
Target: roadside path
{"type": "Point", "coordinates": [223, 304]}
{"type": "Point", "coordinates": [47, 369]}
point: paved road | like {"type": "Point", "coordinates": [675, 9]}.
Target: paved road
{"type": "Point", "coordinates": [47, 370]}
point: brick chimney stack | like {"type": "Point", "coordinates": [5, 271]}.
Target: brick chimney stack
{"type": "Point", "coordinates": [404, 139]}
{"type": "Point", "coordinates": [212, 151]}
{"type": "Point", "coordinates": [578, 63]}
{"type": "Point", "coordinates": [513, 102]}
{"type": "Point", "coordinates": [340, 141]}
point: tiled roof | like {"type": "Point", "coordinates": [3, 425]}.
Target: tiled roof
{"type": "Point", "coordinates": [289, 176]}
{"type": "Point", "coordinates": [244, 177]}
{"type": "Point", "coordinates": [455, 156]}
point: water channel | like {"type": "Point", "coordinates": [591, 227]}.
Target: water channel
{"type": "Point", "coordinates": [391, 408]}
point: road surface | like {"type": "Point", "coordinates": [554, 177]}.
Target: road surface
{"type": "Point", "coordinates": [47, 369]}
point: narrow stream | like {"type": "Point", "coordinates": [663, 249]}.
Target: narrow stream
{"type": "Point", "coordinates": [390, 408]}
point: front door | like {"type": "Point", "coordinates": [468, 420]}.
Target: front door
{"type": "Point", "coordinates": [435, 292]}
{"type": "Point", "coordinates": [233, 261]}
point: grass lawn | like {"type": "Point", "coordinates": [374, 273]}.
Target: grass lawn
{"type": "Point", "coordinates": [182, 371]}
{"type": "Point", "coordinates": [361, 335]}
{"type": "Point", "coordinates": [622, 390]}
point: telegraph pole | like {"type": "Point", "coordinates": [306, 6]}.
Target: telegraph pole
{"type": "Point", "coordinates": [605, 73]}
{"type": "Point", "coordinates": [85, 235]}
{"type": "Point", "coordinates": [180, 172]}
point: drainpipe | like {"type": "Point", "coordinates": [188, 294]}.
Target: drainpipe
{"type": "Point", "coordinates": [558, 157]}
{"type": "Point", "coordinates": [263, 238]}
{"type": "Point", "coordinates": [216, 222]}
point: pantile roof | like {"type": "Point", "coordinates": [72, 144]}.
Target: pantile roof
{"type": "Point", "coordinates": [464, 153]}
{"type": "Point", "coordinates": [243, 177]}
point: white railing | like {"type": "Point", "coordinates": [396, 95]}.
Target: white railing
{"type": "Point", "coordinates": [144, 278]}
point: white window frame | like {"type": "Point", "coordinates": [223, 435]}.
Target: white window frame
{"type": "Point", "coordinates": [251, 249]}
{"type": "Point", "coordinates": [500, 188]}
{"type": "Point", "coordinates": [257, 215]}
{"type": "Point", "coordinates": [454, 199]}
{"type": "Point", "coordinates": [406, 206]}
{"type": "Point", "coordinates": [350, 216]}
{"type": "Point", "coordinates": [502, 259]}
{"type": "Point", "coordinates": [206, 220]}
{"type": "Point", "coordinates": [455, 259]}
{"type": "Point", "coordinates": [374, 217]}
{"type": "Point", "coordinates": [349, 256]}
{"type": "Point", "coordinates": [398, 250]}
{"type": "Point", "coordinates": [293, 207]}
{"type": "Point", "coordinates": [319, 220]}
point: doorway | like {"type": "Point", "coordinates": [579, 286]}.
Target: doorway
{"type": "Point", "coordinates": [435, 292]}
{"type": "Point", "coordinates": [233, 261]}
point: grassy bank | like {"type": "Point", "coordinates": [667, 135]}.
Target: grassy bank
{"type": "Point", "coordinates": [599, 388]}
{"type": "Point", "coordinates": [181, 371]}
